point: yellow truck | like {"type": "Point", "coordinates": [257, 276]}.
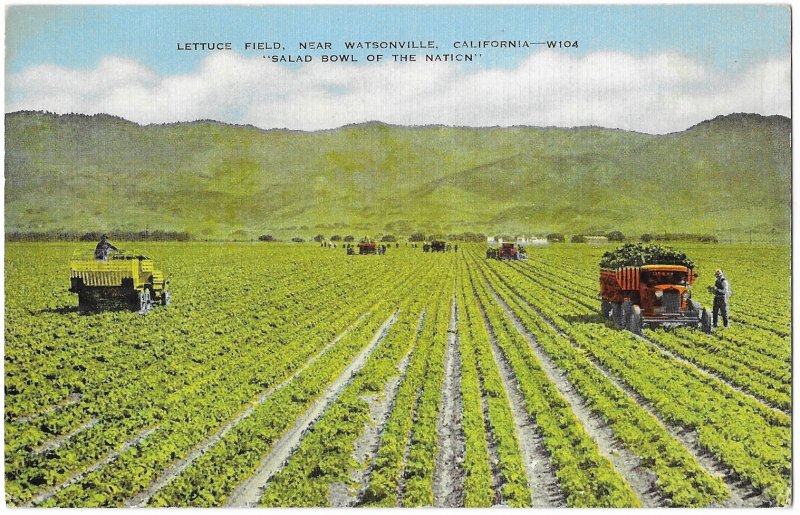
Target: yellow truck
{"type": "Point", "coordinates": [126, 280]}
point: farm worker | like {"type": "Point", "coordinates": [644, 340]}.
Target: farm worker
{"type": "Point", "coordinates": [102, 248]}
{"type": "Point", "coordinates": [722, 292]}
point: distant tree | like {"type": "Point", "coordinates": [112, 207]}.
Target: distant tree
{"type": "Point", "coordinates": [578, 238]}
{"type": "Point", "coordinates": [336, 237]}
{"type": "Point", "coordinates": [389, 238]}
{"type": "Point", "coordinates": [266, 237]}
{"type": "Point", "coordinates": [417, 236]}
{"type": "Point", "coordinates": [555, 237]}
{"type": "Point", "coordinates": [319, 238]}
{"type": "Point", "coordinates": [349, 238]}
{"type": "Point", "coordinates": [615, 236]}
{"type": "Point", "coordinates": [646, 237]}
{"type": "Point", "coordinates": [297, 239]}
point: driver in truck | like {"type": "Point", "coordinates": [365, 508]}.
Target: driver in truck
{"type": "Point", "coordinates": [102, 248]}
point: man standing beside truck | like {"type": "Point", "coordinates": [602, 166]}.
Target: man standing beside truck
{"type": "Point", "coordinates": [722, 293]}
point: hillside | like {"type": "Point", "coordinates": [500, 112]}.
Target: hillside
{"type": "Point", "coordinates": [79, 172]}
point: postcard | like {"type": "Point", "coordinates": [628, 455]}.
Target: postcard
{"type": "Point", "coordinates": [398, 256]}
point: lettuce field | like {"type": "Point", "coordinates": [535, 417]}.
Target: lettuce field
{"type": "Point", "coordinates": [295, 375]}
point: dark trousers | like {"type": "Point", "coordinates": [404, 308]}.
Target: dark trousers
{"type": "Point", "coordinates": [720, 307]}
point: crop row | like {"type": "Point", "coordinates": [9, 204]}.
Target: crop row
{"type": "Point", "coordinates": [123, 412]}
{"type": "Point", "coordinates": [212, 478]}
{"type": "Point", "coordinates": [681, 479]}
{"type": "Point", "coordinates": [191, 390]}
{"type": "Point", "coordinates": [326, 453]}
{"type": "Point", "coordinates": [403, 468]}
{"type": "Point", "coordinates": [482, 385]}
{"type": "Point", "coordinates": [751, 438]}
{"type": "Point", "coordinates": [586, 477]}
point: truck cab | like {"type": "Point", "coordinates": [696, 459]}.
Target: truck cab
{"type": "Point", "coordinates": [665, 289]}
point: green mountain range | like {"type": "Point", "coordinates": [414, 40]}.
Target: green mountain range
{"type": "Point", "coordinates": [77, 172]}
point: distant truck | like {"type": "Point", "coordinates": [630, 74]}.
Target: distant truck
{"type": "Point", "coordinates": [368, 246]}
{"type": "Point", "coordinates": [651, 295]}
{"type": "Point", "coordinates": [511, 252]}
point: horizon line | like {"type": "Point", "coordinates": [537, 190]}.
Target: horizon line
{"type": "Point", "coordinates": [378, 122]}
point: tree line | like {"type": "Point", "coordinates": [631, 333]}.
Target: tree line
{"type": "Point", "coordinates": [115, 234]}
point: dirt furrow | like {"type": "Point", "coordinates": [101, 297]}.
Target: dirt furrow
{"type": "Point", "coordinates": [542, 481]}
{"type": "Point", "coordinates": [494, 456]}
{"type": "Point", "coordinates": [249, 491]}
{"type": "Point", "coordinates": [401, 482]}
{"type": "Point", "coordinates": [448, 477]}
{"type": "Point", "coordinates": [72, 399]}
{"type": "Point", "coordinates": [74, 478]}
{"type": "Point", "coordinates": [169, 474]}
{"type": "Point", "coordinates": [57, 442]}
{"type": "Point", "coordinates": [743, 495]}
{"type": "Point", "coordinates": [642, 481]}
{"type": "Point", "coordinates": [366, 446]}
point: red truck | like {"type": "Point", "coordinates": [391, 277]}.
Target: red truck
{"type": "Point", "coordinates": [509, 251]}
{"type": "Point", "coordinates": [652, 295]}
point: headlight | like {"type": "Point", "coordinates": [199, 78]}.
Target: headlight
{"type": "Point", "coordinates": [687, 295]}
{"type": "Point", "coordinates": [659, 294]}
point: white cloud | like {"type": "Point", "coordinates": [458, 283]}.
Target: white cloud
{"type": "Point", "coordinates": [655, 94]}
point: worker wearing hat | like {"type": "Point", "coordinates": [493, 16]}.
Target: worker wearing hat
{"type": "Point", "coordinates": [722, 292]}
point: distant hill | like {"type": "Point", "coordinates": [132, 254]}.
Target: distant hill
{"type": "Point", "coordinates": [78, 172]}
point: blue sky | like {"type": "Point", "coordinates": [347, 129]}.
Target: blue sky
{"type": "Point", "coordinates": [724, 36]}
{"type": "Point", "coordinates": [653, 69]}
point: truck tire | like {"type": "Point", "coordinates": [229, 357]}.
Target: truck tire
{"type": "Point", "coordinates": [85, 304]}
{"type": "Point", "coordinates": [635, 320]}
{"type": "Point", "coordinates": [705, 321]}
{"type": "Point", "coordinates": [143, 302]}
{"type": "Point", "coordinates": [605, 309]}
{"type": "Point", "coordinates": [627, 309]}
{"type": "Point", "coordinates": [618, 315]}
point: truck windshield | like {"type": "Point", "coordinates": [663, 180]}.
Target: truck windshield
{"type": "Point", "coordinates": [656, 277]}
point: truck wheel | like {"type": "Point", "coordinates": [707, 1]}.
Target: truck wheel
{"type": "Point", "coordinates": [143, 302]}
{"type": "Point", "coordinates": [85, 305]}
{"type": "Point", "coordinates": [705, 321]}
{"type": "Point", "coordinates": [605, 309]}
{"type": "Point", "coordinates": [618, 315]}
{"type": "Point", "coordinates": [627, 309]}
{"type": "Point", "coordinates": [635, 320]}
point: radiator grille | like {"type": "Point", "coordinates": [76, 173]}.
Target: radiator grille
{"type": "Point", "coordinates": [672, 301]}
